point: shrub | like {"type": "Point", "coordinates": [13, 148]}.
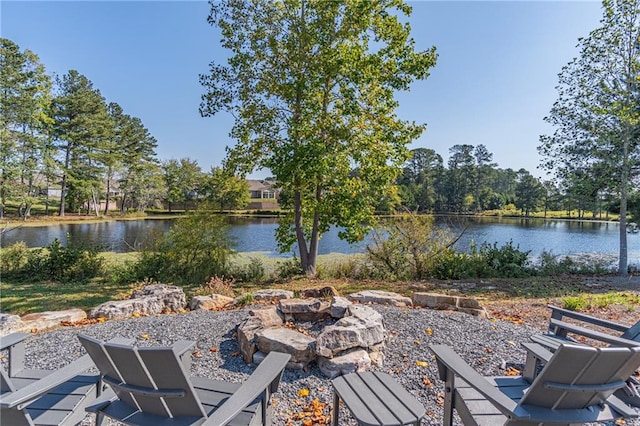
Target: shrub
{"type": "Point", "coordinates": [245, 299]}
{"type": "Point", "coordinates": [73, 262]}
{"type": "Point", "coordinates": [289, 268]}
{"type": "Point", "coordinates": [13, 259]}
{"type": "Point", "coordinates": [252, 272]}
{"type": "Point", "coordinates": [406, 247]}
{"type": "Point", "coordinates": [506, 261]}
{"type": "Point", "coordinates": [194, 250]}
{"type": "Point", "coordinates": [219, 285]}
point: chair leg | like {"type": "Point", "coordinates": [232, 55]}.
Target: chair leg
{"type": "Point", "coordinates": [449, 387]}
{"type": "Point", "coordinates": [336, 408]}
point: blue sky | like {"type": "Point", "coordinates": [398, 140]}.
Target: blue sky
{"type": "Point", "coordinates": [493, 83]}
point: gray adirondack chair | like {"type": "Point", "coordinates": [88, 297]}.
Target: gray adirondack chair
{"type": "Point", "coordinates": [575, 386]}
{"type": "Point", "coordinates": [43, 397]}
{"type": "Point", "coordinates": [152, 386]}
{"type": "Point", "coordinates": [561, 331]}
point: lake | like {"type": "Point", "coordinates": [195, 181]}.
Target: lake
{"type": "Point", "coordinates": [564, 237]}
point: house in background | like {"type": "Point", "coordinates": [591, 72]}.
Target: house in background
{"type": "Point", "coordinates": [263, 195]}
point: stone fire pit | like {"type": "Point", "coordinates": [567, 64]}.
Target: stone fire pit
{"type": "Point", "coordinates": [340, 336]}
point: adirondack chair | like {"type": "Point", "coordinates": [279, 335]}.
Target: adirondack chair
{"type": "Point", "coordinates": [43, 397]}
{"type": "Point", "coordinates": [152, 386]}
{"type": "Point", "coordinates": [558, 332]}
{"type": "Point", "coordinates": [575, 386]}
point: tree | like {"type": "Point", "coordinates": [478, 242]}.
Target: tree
{"type": "Point", "coordinates": [82, 125]}
{"type": "Point", "coordinates": [225, 189]}
{"type": "Point", "coordinates": [311, 86]}
{"type": "Point", "coordinates": [460, 178]}
{"type": "Point", "coordinates": [529, 192]}
{"type": "Point", "coordinates": [182, 178]}
{"type": "Point", "coordinates": [25, 97]}
{"type": "Point", "coordinates": [419, 179]}
{"type": "Point", "coordinates": [483, 168]}
{"type": "Point", "coordinates": [596, 114]}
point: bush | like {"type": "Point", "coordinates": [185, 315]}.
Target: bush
{"type": "Point", "coordinates": [289, 268]}
{"type": "Point", "coordinates": [60, 263]}
{"type": "Point", "coordinates": [252, 272]}
{"type": "Point", "coordinates": [506, 261]}
{"type": "Point", "coordinates": [406, 247]}
{"type": "Point", "coordinates": [194, 250]}
{"type": "Point", "coordinates": [14, 258]}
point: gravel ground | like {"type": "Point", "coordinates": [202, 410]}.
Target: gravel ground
{"type": "Point", "coordinates": [489, 346]}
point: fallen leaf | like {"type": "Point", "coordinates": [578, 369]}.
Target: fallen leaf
{"type": "Point", "coordinates": [429, 331]}
{"type": "Point", "coordinates": [213, 349]}
{"type": "Point", "coordinates": [416, 342]}
{"type": "Point", "coordinates": [196, 353]}
{"type": "Point", "coordinates": [303, 392]}
{"type": "Point", "coordinates": [422, 363]}
{"type": "Point", "coordinates": [135, 315]}
{"type": "Point", "coordinates": [426, 381]}
{"type": "Point", "coordinates": [145, 336]}
{"type": "Point", "coordinates": [488, 350]}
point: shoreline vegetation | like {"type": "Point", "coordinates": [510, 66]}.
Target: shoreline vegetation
{"type": "Point", "coordinates": [35, 220]}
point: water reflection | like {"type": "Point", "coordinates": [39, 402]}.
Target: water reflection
{"type": "Point", "coordinates": [257, 234]}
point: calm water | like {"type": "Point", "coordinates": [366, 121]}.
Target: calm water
{"type": "Point", "coordinates": [257, 234]}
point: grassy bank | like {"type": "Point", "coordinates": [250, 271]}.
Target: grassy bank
{"type": "Point", "coordinates": [573, 291]}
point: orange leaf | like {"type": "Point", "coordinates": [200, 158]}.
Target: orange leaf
{"type": "Point", "coordinates": [303, 392]}
{"type": "Point", "coordinates": [212, 349]}
{"type": "Point", "coordinates": [429, 331]}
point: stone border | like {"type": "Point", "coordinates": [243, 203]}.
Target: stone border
{"type": "Point", "coordinates": [161, 298]}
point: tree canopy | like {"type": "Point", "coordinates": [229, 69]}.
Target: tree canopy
{"type": "Point", "coordinates": [597, 114]}
{"type": "Point", "coordinates": [311, 86]}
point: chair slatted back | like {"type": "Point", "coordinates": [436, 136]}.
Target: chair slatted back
{"type": "Point", "coordinates": [96, 350]}
{"type": "Point", "coordinates": [633, 332]}
{"type": "Point", "coordinates": [166, 368]}
{"type": "Point", "coordinates": [133, 372]}
{"type": "Point", "coordinates": [580, 376]}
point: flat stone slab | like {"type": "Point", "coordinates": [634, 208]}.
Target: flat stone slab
{"type": "Point", "coordinates": [211, 303]}
{"type": "Point", "coordinates": [11, 324]}
{"type": "Point", "coordinates": [468, 305]}
{"type": "Point", "coordinates": [348, 362]}
{"type": "Point", "coordinates": [272, 295]}
{"type": "Point", "coordinates": [304, 309]}
{"type": "Point", "coordinates": [49, 319]}
{"type": "Point", "coordinates": [281, 339]}
{"type": "Point", "coordinates": [380, 297]}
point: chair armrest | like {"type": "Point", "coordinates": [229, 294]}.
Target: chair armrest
{"type": "Point", "coordinates": [558, 313]}
{"type": "Point", "coordinates": [448, 359]}
{"type": "Point", "coordinates": [14, 342]}
{"type": "Point", "coordinates": [269, 370]}
{"type": "Point", "coordinates": [12, 339]}
{"type": "Point", "coordinates": [565, 327]}
{"type": "Point", "coordinates": [183, 349]}
{"type": "Point", "coordinates": [24, 396]}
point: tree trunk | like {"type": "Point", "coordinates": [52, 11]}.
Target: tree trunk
{"type": "Point", "coordinates": [106, 205]}
{"type": "Point", "coordinates": [299, 229]}
{"type": "Point", "coordinates": [624, 181]}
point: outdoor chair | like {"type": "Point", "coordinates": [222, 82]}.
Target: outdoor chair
{"type": "Point", "coordinates": [152, 386]}
{"type": "Point", "coordinates": [575, 386]}
{"type": "Point", "coordinates": [561, 331]}
{"type": "Point", "coordinates": [43, 397]}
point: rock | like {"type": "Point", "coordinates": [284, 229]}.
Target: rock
{"type": "Point", "coordinates": [435, 301]}
{"type": "Point", "coordinates": [48, 319]}
{"type": "Point", "coordinates": [269, 317]}
{"type": "Point", "coordinates": [210, 303]}
{"type": "Point", "coordinates": [467, 302]}
{"type": "Point", "coordinates": [348, 362]}
{"type": "Point", "coordinates": [304, 309]}
{"type": "Point", "coordinates": [380, 297]}
{"type": "Point", "coordinates": [364, 328]}
{"type": "Point", "coordinates": [122, 309]}
{"type": "Point", "coordinates": [246, 332]}
{"type": "Point", "coordinates": [280, 339]}
{"type": "Point", "coordinates": [480, 313]}
{"type": "Point", "coordinates": [171, 296]}
{"type": "Point", "coordinates": [339, 306]}
{"type": "Point", "coordinates": [11, 324]}
{"type": "Point", "coordinates": [272, 295]}
{"type": "Point", "coordinates": [321, 292]}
